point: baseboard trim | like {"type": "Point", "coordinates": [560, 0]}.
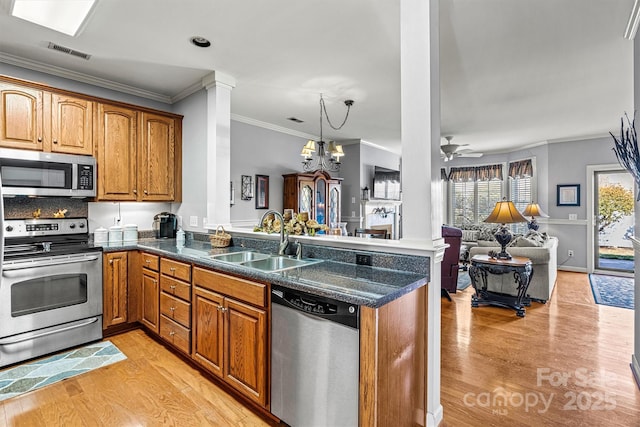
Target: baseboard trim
{"type": "Point", "coordinates": [435, 418]}
{"type": "Point", "coordinates": [635, 368]}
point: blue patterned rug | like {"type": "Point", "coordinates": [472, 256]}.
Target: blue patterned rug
{"type": "Point", "coordinates": [464, 281]}
{"type": "Point", "coordinates": [612, 290]}
{"type": "Point", "coordinates": [39, 373]}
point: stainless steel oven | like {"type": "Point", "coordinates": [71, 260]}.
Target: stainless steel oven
{"type": "Point", "coordinates": [50, 288]}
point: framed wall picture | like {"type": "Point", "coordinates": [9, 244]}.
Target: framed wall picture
{"type": "Point", "coordinates": [262, 192]}
{"type": "Point", "coordinates": [568, 195]}
{"type": "Point", "coordinates": [246, 190]}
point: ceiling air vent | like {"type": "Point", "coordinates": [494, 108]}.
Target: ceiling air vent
{"type": "Point", "coordinates": [68, 51]}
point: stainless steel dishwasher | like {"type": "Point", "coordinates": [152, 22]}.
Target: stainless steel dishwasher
{"type": "Point", "coordinates": [314, 359]}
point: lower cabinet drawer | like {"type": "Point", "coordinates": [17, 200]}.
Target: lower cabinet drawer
{"type": "Point", "coordinates": [176, 334]}
{"type": "Point", "coordinates": [175, 309]}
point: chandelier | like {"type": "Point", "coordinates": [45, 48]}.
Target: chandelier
{"type": "Point", "coordinates": [327, 158]}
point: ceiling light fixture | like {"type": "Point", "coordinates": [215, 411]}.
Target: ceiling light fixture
{"type": "Point", "coordinates": [634, 20]}
{"type": "Point", "coordinates": [200, 41]}
{"type": "Point", "coordinates": [326, 159]}
{"type": "Point", "coordinates": [64, 16]}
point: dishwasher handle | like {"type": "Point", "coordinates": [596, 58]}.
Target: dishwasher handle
{"type": "Point", "coordinates": [316, 306]}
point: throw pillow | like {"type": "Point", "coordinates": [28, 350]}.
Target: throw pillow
{"type": "Point", "coordinates": [525, 242]}
{"type": "Point", "coordinates": [469, 235]}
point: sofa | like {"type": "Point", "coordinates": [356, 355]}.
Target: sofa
{"type": "Point", "coordinates": [541, 249]}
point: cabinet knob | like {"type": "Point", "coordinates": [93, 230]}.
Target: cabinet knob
{"type": "Point", "coordinates": [172, 308]}
{"type": "Point", "coordinates": [110, 261]}
{"type": "Point", "coordinates": [148, 261]}
{"type": "Point", "coordinates": [222, 309]}
{"type": "Point", "coordinates": [172, 286]}
{"type": "Point", "coordinates": [40, 139]}
{"type": "Point", "coordinates": [146, 192]}
{"type": "Point", "coordinates": [172, 333]}
{"type": "Point", "coordinates": [135, 191]}
{"type": "Point", "coordinates": [55, 141]}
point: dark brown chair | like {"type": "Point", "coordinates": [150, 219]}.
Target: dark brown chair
{"type": "Point", "coordinates": [449, 268]}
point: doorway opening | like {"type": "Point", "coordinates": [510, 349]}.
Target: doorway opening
{"type": "Point", "coordinates": [614, 221]}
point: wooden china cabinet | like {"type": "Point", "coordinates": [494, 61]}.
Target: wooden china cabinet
{"type": "Point", "coordinates": [316, 193]}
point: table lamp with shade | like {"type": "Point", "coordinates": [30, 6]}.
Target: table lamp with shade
{"type": "Point", "coordinates": [504, 213]}
{"type": "Point", "coordinates": [533, 210]}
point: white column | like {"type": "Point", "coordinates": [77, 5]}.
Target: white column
{"type": "Point", "coordinates": [421, 186]}
{"type": "Point", "coordinates": [218, 153]}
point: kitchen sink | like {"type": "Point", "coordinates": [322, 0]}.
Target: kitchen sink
{"type": "Point", "coordinates": [279, 263]}
{"type": "Point", "coordinates": [263, 262]}
{"type": "Point", "coordinates": [240, 257]}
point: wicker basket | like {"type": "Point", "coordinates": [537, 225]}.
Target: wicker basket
{"type": "Point", "coordinates": [221, 239]}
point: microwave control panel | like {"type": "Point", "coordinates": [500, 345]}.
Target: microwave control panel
{"type": "Point", "coordinates": [85, 177]}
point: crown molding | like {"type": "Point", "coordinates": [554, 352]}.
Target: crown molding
{"type": "Point", "coordinates": [276, 128]}
{"type": "Point", "coordinates": [82, 77]}
{"type": "Point", "coordinates": [186, 92]}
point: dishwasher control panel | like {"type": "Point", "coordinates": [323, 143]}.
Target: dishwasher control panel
{"type": "Point", "coordinates": [327, 308]}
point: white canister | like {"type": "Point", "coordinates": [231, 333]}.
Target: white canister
{"type": "Point", "coordinates": [115, 235]}
{"type": "Point", "coordinates": [100, 236]}
{"type": "Point", "coordinates": [130, 233]}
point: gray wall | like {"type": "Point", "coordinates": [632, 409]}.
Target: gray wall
{"type": "Point", "coordinates": [256, 150]}
{"type": "Point", "coordinates": [194, 160]}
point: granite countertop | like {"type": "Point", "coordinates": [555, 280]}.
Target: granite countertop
{"type": "Point", "coordinates": [355, 284]}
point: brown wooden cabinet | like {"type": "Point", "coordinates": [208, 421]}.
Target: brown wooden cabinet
{"type": "Point", "coordinates": [138, 155]}
{"type": "Point", "coordinates": [316, 193]}
{"type": "Point", "coordinates": [115, 287]}
{"type": "Point", "coordinates": [230, 331]}
{"type": "Point", "coordinates": [116, 148]}
{"type": "Point", "coordinates": [35, 119]}
{"type": "Point", "coordinates": [150, 293]}
{"type": "Point", "coordinates": [21, 117]}
{"type": "Point", "coordinates": [175, 304]}
{"type": "Point", "coordinates": [71, 125]}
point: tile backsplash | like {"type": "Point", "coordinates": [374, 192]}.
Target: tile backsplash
{"type": "Point", "coordinates": [24, 207]}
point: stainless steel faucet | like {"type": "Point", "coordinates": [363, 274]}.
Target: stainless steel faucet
{"type": "Point", "coordinates": [283, 238]}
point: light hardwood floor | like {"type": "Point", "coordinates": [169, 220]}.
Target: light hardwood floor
{"type": "Point", "coordinates": [569, 359]}
{"type": "Point", "coordinates": [152, 387]}
{"type": "Point", "coordinates": [485, 351]}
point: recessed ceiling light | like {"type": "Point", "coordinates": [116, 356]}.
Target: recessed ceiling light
{"type": "Point", "coordinates": [65, 16]}
{"type": "Point", "coordinates": [200, 41]}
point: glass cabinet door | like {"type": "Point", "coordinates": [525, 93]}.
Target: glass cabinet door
{"type": "Point", "coordinates": [334, 206]}
{"type": "Point", "coordinates": [306, 197]}
{"type": "Point", "coordinates": [321, 200]}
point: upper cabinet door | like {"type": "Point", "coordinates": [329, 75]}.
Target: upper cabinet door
{"type": "Point", "coordinates": [116, 153]}
{"type": "Point", "coordinates": [21, 117]}
{"type": "Point", "coordinates": [157, 157]}
{"type": "Point", "coordinates": [71, 125]}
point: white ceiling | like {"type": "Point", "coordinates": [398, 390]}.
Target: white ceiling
{"type": "Point", "coordinates": [513, 73]}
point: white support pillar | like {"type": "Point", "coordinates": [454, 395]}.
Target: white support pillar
{"type": "Point", "coordinates": [421, 185]}
{"type": "Point", "coordinates": [218, 153]}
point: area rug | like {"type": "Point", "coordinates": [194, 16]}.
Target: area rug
{"type": "Point", "coordinates": [612, 290]}
{"type": "Point", "coordinates": [39, 373]}
{"type": "Point", "coordinates": [464, 281]}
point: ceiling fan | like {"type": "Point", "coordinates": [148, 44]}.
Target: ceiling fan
{"type": "Point", "coordinates": [450, 151]}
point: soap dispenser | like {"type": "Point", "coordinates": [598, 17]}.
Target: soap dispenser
{"type": "Point", "coordinates": [180, 237]}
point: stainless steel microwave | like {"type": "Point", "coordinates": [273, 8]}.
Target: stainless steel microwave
{"type": "Point", "coordinates": [35, 173]}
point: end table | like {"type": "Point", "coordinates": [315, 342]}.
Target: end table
{"type": "Point", "coordinates": [482, 265]}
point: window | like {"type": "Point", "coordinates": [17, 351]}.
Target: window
{"type": "Point", "coordinates": [474, 192]}
{"type": "Point", "coordinates": [521, 188]}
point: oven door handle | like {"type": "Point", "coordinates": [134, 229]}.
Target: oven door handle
{"type": "Point", "coordinates": [21, 265]}
{"type": "Point", "coordinates": [29, 337]}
